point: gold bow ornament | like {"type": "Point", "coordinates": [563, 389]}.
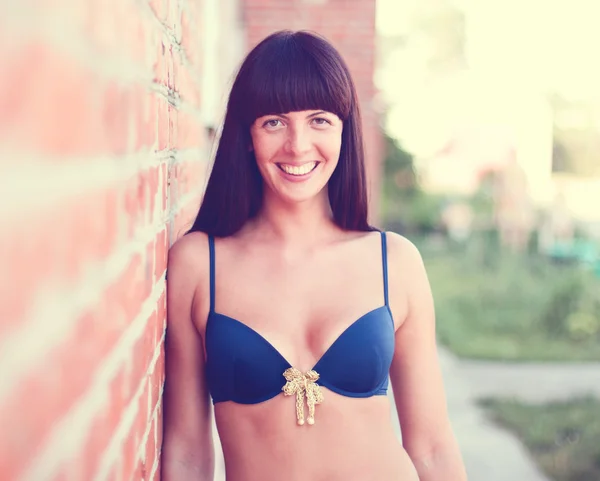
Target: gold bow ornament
{"type": "Point", "coordinates": [303, 385]}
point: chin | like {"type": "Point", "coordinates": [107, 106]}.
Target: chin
{"type": "Point", "coordinates": [299, 197]}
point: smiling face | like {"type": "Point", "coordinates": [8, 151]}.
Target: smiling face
{"type": "Point", "coordinates": [297, 152]}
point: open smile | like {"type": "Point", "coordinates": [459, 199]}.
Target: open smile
{"type": "Point", "coordinates": [298, 170]}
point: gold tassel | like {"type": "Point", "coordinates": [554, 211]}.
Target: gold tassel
{"type": "Point", "coordinates": [303, 385]}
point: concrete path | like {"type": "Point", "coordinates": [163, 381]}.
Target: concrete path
{"type": "Point", "coordinates": [490, 452]}
{"type": "Point", "coordinates": [534, 382]}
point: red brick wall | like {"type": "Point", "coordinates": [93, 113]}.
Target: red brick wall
{"type": "Point", "coordinates": [350, 26]}
{"type": "Point", "coordinates": [103, 154]}
{"type": "Point", "coordinates": [104, 106]}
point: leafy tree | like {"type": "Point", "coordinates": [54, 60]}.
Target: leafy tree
{"type": "Point", "coordinates": [406, 207]}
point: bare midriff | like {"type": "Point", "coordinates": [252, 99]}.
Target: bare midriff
{"type": "Point", "coordinates": [352, 439]}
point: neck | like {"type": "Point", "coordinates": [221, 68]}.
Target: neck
{"type": "Point", "coordinates": [295, 224]}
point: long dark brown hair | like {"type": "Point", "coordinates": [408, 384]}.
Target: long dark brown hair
{"type": "Point", "coordinates": [286, 72]}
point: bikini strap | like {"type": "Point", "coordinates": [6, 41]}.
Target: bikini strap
{"type": "Point", "coordinates": [385, 269]}
{"type": "Point", "coordinates": [211, 250]}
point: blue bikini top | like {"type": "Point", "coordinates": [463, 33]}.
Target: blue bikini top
{"type": "Point", "coordinates": [242, 366]}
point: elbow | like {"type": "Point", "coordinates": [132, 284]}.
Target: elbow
{"type": "Point", "coordinates": [438, 454]}
{"type": "Point", "coordinates": [428, 445]}
{"type": "Point", "coordinates": [178, 462]}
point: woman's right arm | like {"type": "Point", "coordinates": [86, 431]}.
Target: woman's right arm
{"type": "Point", "coordinates": [187, 448]}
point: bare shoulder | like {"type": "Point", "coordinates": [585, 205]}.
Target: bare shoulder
{"type": "Point", "coordinates": [187, 270]}
{"type": "Point", "coordinates": [403, 255]}
{"type": "Point", "coordinates": [408, 282]}
{"type": "Point", "coordinates": [188, 257]}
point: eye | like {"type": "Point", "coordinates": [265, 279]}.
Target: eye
{"type": "Point", "coordinates": [272, 123]}
{"type": "Point", "coordinates": [321, 121]}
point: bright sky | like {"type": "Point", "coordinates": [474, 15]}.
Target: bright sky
{"type": "Point", "coordinates": [554, 43]}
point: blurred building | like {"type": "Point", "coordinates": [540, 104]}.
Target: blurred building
{"type": "Point", "coordinates": [470, 83]}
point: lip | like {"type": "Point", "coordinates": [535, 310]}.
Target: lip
{"type": "Point", "coordinates": [297, 178]}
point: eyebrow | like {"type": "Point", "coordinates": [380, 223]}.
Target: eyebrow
{"type": "Point", "coordinates": [320, 112]}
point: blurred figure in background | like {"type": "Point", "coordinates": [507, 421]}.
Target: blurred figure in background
{"type": "Point", "coordinates": [458, 220]}
{"type": "Point", "coordinates": [513, 208]}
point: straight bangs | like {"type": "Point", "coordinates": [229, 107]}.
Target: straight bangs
{"type": "Point", "coordinates": [295, 74]}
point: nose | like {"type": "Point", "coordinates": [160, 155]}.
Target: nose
{"type": "Point", "coordinates": [298, 141]}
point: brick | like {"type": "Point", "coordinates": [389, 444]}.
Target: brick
{"type": "Point", "coordinates": [45, 85]}
{"type": "Point", "coordinates": [156, 476]}
{"type": "Point", "coordinates": [183, 218]}
{"type": "Point", "coordinates": [60, 242]}
{"type": "Point", "coordinates": [173, 124]}
{"type": "Point", "coordinates": [143, 351]}
{"type": "Point", "coordinates": [115, 109]}
{"type": "Point", "coordinates": [69, 365]}
{"type": "Point", "coordinates": [170, 56]}
{"type": "Point", "coordinates": [139, 200]}
{"type": "Point", "coordinates": [187, 86]}
{"type": "Point", "coordinates": [144, 411]}
{"type": "Point", "coordinates": [102, 26]}
{"type": "Point", "coordinates": [150, 447]}
{"type": "Point", "coordinates": [129, 455]}
{"type": "Point", "coordinates": [190, 40]}
{"type": "Point", "coordinates": [57, 243]}
{"type": "Point", "coordinates": [191, 131]}
{"type": "Point", "coordinates": [160, 66]}
{"type": "Point", "coordinates": [173, 18]}
{"type": "Point", "coordinates": [160, 9]}
{"type": "Point", "coordinates": [160, 255]}
{"type": "Point", "coordinates": [141, 472]}
{"type": "Point", "coordinates": [186, 177]}
{"type": "Point", "coordinates": [105, 423]}
{"type": "Point", "coordinates": [144, 115]}
{"type": "Point", "coordinates": [94, 114]}
{"type": "Point", "coordinates": [164, 173]}
{"type": "Point", "coordinates": [138, 32]}
{"type": "Point", "coordinates": [162, 124]}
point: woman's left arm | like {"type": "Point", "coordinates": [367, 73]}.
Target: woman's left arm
{"type": "Point", "coordinates": [415, 373]}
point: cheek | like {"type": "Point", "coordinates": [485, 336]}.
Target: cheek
{"type": "Point", "coordinates": [332, 147]}
{"type": "Point", "coordinates": [263, 148]}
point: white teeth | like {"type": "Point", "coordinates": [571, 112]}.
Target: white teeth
{"type": "Point", "coordinates": [298, 169]}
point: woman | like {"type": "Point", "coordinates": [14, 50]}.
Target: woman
{"type": "Point", "coordinates": [267, 296]}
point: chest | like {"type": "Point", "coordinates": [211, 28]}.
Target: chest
{"type": "Point", "coordinates": [301, 307]}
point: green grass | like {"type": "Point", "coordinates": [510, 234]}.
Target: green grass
{"type": "Point", "coordinates": [500, 306]}
{"type": "Point", "coordinates": [563, 438]}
